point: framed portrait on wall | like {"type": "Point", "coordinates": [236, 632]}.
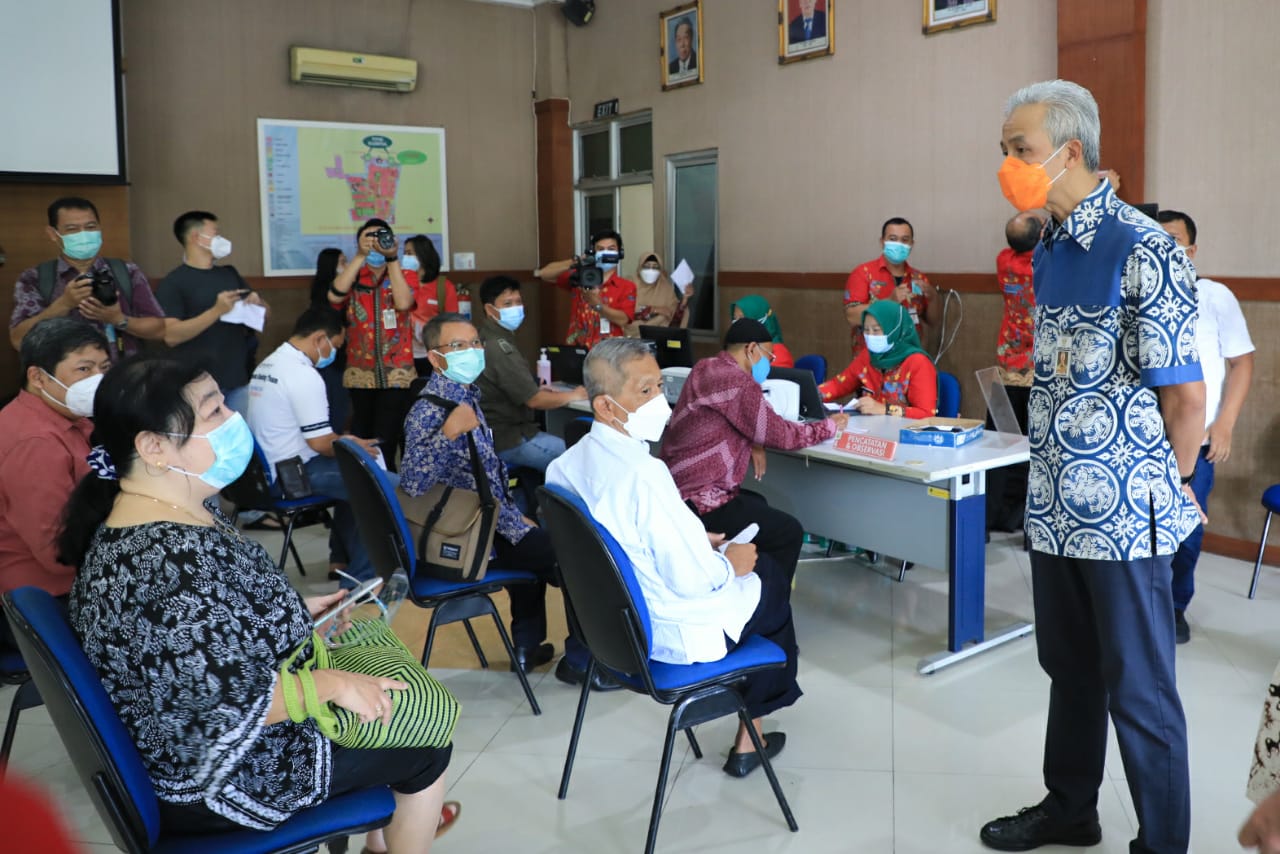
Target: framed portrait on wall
{"type": "Point", "coordinates": [806, 29]}
{"type": "Point", "coordinates": [681, 55]}
{"type": "Point", "coordinates": [942, 15]}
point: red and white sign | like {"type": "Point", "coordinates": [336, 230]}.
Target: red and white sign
{"type": "Point", "coordinates": [866, 446]}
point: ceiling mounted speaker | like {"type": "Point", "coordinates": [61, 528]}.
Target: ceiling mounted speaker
{"type": "Point", "coordinates": [579, 12]}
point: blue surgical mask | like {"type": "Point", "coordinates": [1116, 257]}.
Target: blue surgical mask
{"type": "Point", "coordinates": [232, 444]}
{"type": "Point", "coordinates": [82, 245]}
{"type": "Point", "coordinates": [511, 317]}
{"type": "Point", "coordinates": [607, 260]}
{"type": "Point", "coordinates": [896, 252]}
{"type": "Point", "coordinates": [376, 259]}
{"type": "Point", "coordinates": [877, 343]}
{"type": "Point", "coordinates": [326, 361]}
{"type": "Point", "coordinates": [760, 370]}
{"type": "Point", "coordinates": [465, 366]}
{"type": "Point", "coordinates": [409, 262]}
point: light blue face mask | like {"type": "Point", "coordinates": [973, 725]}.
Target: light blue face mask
{"type": "Point", "coordinates": [376, 259]}
{"type": "Point", "coordinates": [511, 317]}
{"type": "Point", "coordinates": [326, 361]}
{"type": "Point", "coordinates": [465, 366]}
{"type": "Point", "coordinates": [896, 252]}
{"type": "Point", "coordinates": [232, 444]}
{"type": "Point", "coordinates": [410, 262]}
{"type": "Point", "coordinates": [760, 370]}
{"type": "Point", "coordinates": [82, 245]}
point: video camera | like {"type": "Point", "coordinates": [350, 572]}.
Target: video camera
{"type": "Point", "coordinates": [585, 270]}
{"type": "Point", "coordinates": [103, 286]}
{"type": "Point", "coordinates": [385, 239]}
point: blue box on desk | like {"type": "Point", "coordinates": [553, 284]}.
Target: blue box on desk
{"type": "Point", "coordinates": [941, 432]}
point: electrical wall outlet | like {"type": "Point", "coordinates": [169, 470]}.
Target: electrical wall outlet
{"type": "Point", "coordinates": [464, 260]}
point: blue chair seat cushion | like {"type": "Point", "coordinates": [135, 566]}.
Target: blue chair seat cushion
{"type": "Point", "coordinates": [293, 505]}
{"type": "Point", "coordinates": [425, 587]}
{"type": "Point", "coordinates": [1271, 498]}
{"type": "Point", "coordinates": [11, 663]}
{"type": "Point", "coordinates": [754, 652]}
{"type": "Point", "coordinates": [365, 808]}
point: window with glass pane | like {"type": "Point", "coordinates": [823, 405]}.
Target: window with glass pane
{"type": "Point", "coordinates": [694, 212]}
{"type": "Point", "coordinates": [636, 142]}
{"type": "Point", "coordinates": [595, 155]}
{"type": "Point", "coordinates": [597, 214]}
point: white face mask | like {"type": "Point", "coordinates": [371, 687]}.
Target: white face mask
{"type": "Point", "coordinates": [650, 276]}
{"type": "Point", "coordinates": [79, 394]}
{"type": "Point", "coordinates": [647, 422]}
{"type": "Point", "coordinates": [219, 247]}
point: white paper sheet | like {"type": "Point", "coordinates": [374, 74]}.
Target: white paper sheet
{"type": "Point", "coordinates": [252, 316]}
{"type": "Point", "coordinates": [683, 276]}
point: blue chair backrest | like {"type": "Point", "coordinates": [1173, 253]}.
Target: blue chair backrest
{"type": "Point", "coordinates": [948, 395]}
{"type": "Point", "coordinates": [383, 528]}
{"type": "Point", "coordinates": [814, 363]}
{"type": "Point", "coordinates": [599, 581]}
{"type": "Point", "coordinates": [101, 749]}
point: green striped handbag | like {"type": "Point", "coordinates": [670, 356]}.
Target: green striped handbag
{"type": "Point", "coordinates": [422, 715]}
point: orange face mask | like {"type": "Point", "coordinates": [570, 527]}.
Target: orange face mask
{"type": "Point", "coordinates": [1026, 185]}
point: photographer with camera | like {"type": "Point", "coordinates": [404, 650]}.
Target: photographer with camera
{"type": "Point", "coordinates": [108, 293]}
{"type": "Point", "coordinates": [372, 289]}
{"type": "Point", "coordinates": [196, 294]}
{"type": "Point", "coordinates": [603, 302]}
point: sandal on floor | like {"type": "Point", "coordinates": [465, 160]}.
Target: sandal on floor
{"type": "Point", "coordinates": [448, 817]}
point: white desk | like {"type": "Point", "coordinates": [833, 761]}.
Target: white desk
{"type": "Point", "coordinates": [927, 506]}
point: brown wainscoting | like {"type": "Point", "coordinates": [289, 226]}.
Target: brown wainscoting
{"type": "Point", "coordinates": [1246, 288]}
{"type": "Point", "coordinates": [1246, 550]}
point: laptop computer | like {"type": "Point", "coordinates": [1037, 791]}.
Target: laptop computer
{"type": "Point", "coordinates": [566, 363]}
{"type": "Point", "coordinates": [811, 408]}
{"type": "Point", "coordinates": [672, 346]}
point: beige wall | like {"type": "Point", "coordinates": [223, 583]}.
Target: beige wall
{"type": "Point", "coordinates": [200, 74]}
{"type": "Point", "coordinates": [815, 155]}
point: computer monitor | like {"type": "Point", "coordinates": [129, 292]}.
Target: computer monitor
{"type": "Point", "coordinates": [671, 345]}
{"type": "Point", "coordinates": [811, 408]}
{"type": "Point", "coordinates": [566, 363]}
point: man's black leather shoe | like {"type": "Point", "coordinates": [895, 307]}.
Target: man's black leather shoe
{"type": "Point", "coordinates": [742, 764]}
{"type": "Point", "coordinates": [529, 657]}
{"type": "Point", "coordinates": [1032, 827]}
{"type": "Point", "coordinates": [600, 681]}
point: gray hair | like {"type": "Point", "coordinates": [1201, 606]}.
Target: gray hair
{"type": "Point", "coordinates": [434, 327]}
{"type": "Point", "coordinates": [604, 371]}
{"type": "Point", "coordinates": [1072, 113]}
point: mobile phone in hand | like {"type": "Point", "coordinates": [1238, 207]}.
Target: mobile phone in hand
{"type": "Point", "coordinates": [360, 595]}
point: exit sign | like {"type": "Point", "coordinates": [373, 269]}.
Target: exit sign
{"type": "Point", "coordinates": [606, 109]}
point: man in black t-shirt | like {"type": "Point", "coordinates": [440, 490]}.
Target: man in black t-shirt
{"type": "Point", "coordinates": [198, 288]}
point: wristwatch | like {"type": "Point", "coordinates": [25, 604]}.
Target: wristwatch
{"type": "Point", "coordinates": [1187, 480]}
{"type": "Point", "coordinates": [123, 324]}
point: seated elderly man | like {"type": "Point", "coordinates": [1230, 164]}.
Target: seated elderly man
{"type": "Point", "coordinates": [721, 421]}
{"type": "Point", "coordinates": [44, 450]}
{"type": "Point", "coordinates": [702, 603]}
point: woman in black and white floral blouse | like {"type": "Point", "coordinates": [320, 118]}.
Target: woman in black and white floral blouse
{"type": "Point", "coordinates": [187, 623]}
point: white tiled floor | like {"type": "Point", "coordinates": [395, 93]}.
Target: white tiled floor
{"type": "Point", "coordinates": [878, 758]}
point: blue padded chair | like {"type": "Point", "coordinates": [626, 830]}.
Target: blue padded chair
{"type": "Point", "coordinates": [601, 585]}
{"type": "Point", "coordinates": [814, 363]}
{"type": "Point", "coordinates": [391, 548]}
{"type": "Point", "coordinates": [1271, 501]}
{"type": "Point", "coordinates": [948, 395]}
{"type": "Point", "coordinates": [13, 671]}
{"type": "Point", "coordinates": [110, 767]}
{"type": "Point", "coordinates": [253, 491]}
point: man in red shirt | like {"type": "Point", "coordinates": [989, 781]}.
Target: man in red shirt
{"type": "Point", "coordinates": [602, 312]}
{"type": "Point", "coordinates": [44, 446]}
{"type": "Point", "coordinates": [721, 422]}
{"type": "Point", "coordinates": [890, 277]}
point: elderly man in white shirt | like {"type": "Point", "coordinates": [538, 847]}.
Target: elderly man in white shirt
{"type": "Point", "coordinates": [702, 603]}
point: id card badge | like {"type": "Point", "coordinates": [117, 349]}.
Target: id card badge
{"type": "Point", "coordinates": [605, 326]}
{"type": "Point", "coordinates": [388, 318]}
{"type": "Point", "coordinates": [915, 315]}
{"type": "Point", "coordinates": [1062, 356]}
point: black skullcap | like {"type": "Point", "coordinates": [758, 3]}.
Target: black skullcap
{"type": "Point", "coordinates": [747, 331]}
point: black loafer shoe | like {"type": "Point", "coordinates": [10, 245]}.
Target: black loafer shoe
{"type": "Point", "coordinates": [742, 764]}
{"type": "Point", "coordinates": [600, 681]}
{"type": "Point", "coordinates": [1181, 628]}
{"type": "Point", "coordinates": [529, 657]}
{"type": "Point", "coordinates": [1032, 827]}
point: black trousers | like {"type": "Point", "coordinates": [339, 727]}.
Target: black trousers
{"type": "Point", "coordinates": [780, 537]}
{"type": "Point", "coordinates": [529, 601]}
{"type": "Point", "coordinates": [769, 690]}
{"type": "Point", "coordinates": [1007, 486]}
{"type": "Point", "coordinates": [1104, 634]}
{"type": "Point", "coordinates": [379, 413]}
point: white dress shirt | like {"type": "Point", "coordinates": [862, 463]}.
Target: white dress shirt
{"type": "Point", "coordinates": [693, 596]}
{"type": "Point", "coordinates": [1221, 334]}
{"type": "Point", "coordinates": [287, 405]}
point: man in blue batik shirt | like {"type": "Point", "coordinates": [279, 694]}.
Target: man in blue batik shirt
{"type": "Point", "coordinates": [1115, 418]}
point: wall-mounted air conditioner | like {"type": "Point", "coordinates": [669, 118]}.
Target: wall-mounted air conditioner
{"type": "Point", "coordinates": [343, 68]}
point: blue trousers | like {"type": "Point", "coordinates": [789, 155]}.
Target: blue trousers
{"type": "Point", "coordinates": [1104, 634]}
{"type": "Point", "coordinates": [327, 480]}
{"type": "Point", "coordinates": [536, 453]}
{"type": "Point", "coordinates": [1188, 554]}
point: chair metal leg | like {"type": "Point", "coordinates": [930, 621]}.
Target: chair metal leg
{"type": "Point", "coordinates": [693, 743]}
{"type": "Point", "coordinates": [431, 636]}
{"type": "Point", "coordinates": [1262, 547]}
{"type": "Point", "coordinates": [289, 520]}
{"type": "Point", "coordinates": [475, 644]}
{"type": "Point", "coordinates": [660, 791]}
{"type": "Point", "coordinates": [577, 729]}
{"type": "Point", "coordinates": [511, 653]}
{"type": "Point", "coordinates": [902, 571]}
{"type": "Point", "coordinates": [337, 845]}
{"type": "Point", "coordinates": [26, 697]}
{"type": "Point", "coordinates": [768, 768]}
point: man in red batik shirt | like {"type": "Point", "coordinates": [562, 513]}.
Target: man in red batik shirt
{"type": "Point", "coordinates": [889, 276]}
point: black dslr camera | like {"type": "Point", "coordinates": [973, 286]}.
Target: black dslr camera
{"type": "Point", "coordinates": [102, 286]}
{"type": "Point", "coordinates": [385, 239]}
{"type": "Point", "coordinates": [584, 272]}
